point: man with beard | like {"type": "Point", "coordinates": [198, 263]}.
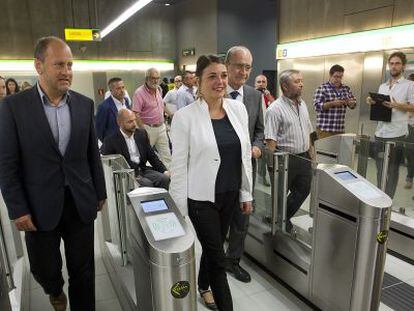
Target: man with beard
{"type": "Point", "coordinates": [147, 103]}
{"type": "Point", "coordinates": [401, 92]}
{"type": "Point", "coordinates": [288, 128]}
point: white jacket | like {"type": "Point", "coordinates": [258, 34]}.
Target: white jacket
{"type": "Point", "coordinates": [195, 156]}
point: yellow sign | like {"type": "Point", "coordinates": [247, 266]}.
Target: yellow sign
{"type": "Point", "coordinates": [78, 34]}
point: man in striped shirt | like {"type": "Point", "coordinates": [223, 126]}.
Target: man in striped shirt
{"type": "Point", "coordinates": [331, 100]}
{"type": "Point", "coordinates": [288, 128]}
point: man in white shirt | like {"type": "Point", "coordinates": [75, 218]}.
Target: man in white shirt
{"type": "Point", "coordinates": [170, 99]}
{"type": "Point", "coordinates": [186, 93]}
{"type": "Point", "coordinates": [133, 143]}
{"type": "Point", "coordinates": [288, 128]}
{"type": "Point", "coordinates": [106, 123]}
{"type": "Point", "coordinates": [401, 92]}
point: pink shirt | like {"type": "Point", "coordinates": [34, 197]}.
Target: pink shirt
{"type": "Point", "coordinates": [149, 107]}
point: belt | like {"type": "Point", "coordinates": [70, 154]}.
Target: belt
{"type": "Point", "coordinates": [155, 125]}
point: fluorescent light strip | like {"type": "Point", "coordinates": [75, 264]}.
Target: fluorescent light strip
{"type": "Point", "coordinates": [124, 16]}
{"type": "Point", "coordinates": [372, 40]}
{"type": "Point", "coordinates": [27, 65]}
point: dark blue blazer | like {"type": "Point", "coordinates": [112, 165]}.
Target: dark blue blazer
{"type": "Point", "coordinates": [106, 124]}
{"type": "Point", "coordinates": [33, 172]}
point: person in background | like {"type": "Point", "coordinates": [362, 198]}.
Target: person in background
{"type": "Point", "coordinates": [26, 86]}
{"type": "Point", "coordinates": [12, 86]}
{"type": "Point", "coordinates": [170, 99]}
{"type": "Point", "coordinates": [331, 100]}
{"type": "Point", "coordinates": [164, 86]}
{"type": "Point", "coordinates": [134, 145]}
{"type": "Point", "coordinates": [149, 106]}
{"type": "Point", "coordinates": [211, 173]}
{"type": "Point", "coordinates": [239, 61]}
{"type": "Point", "coordinates": [288, 128]}
{"type": "Point", "coordinates": [3, 91]}
{"type": "Point", "coordinates": [51, 176]}
{"type": "Point", "coordinates": [186, 93]}
{"type": "Point", "coordinates": [401, 92]}
{"type": "Point", "coordinates": [409, 150]}
{"type": "Point", "coordinates": [260, 84]}
{"type": "Point", "coordinates": [106, 117]}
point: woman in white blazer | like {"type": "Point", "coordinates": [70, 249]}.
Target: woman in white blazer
{"type": "Point", "coordinates": [211, 173]}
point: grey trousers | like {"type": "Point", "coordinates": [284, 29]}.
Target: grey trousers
{"type": "Point", "coordinates": [238, 228]}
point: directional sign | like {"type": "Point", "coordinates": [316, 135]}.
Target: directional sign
{"type": "Point", "coordinates": [81, 34]}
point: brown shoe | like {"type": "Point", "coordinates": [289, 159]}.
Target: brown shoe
{"type": "Point", "coordinates": [408, 185]}
{"type": "Point", "coordinates": [59, 303]}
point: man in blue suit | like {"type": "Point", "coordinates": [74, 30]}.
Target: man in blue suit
{"type": "Point", "coordinates": [106, 123]}
{"type": "Point", "coordinates": [51, 175]}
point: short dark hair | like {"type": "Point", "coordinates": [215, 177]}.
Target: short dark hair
{"type": "Point", "coordinates": [42, 45]}
{"type": "Point", "coordinates": [400, 55]}
{"type": "Point", "coordinates": [204, 61]}
{"type": "Point", "coordinates": [411, 76]}
{"type": "Point", "coordinates": [113, 80]}
{"type": "Point", "coordinates": [336, 68]}
{"type": "Point", "coordinates": [13, 81]}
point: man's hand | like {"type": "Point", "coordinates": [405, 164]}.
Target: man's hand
{"type": "Point", "coordinates": [392, 104]}
{"type": "Point", "coordinates": [370, 101]}
{"type": "Point", "coordinates": [256, 152]}
{"type": "Point", "coordinates": [100, 205]}
{"type": "Point", "coordinates": [351, 103]}
{"type": "Point", "coordinates": [246, 207]}
{"type": "Point", "coordinates": [24, 223]}
{"type": "Point", "coordinates": [167, 173]}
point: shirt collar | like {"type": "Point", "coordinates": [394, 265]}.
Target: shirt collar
{"type": "Point", "coordinates": [125, 135]}
{"type": "Point", "coordinates": [333, 86]}
{"type": "Point", "coordinates": [230, 89]}
{"type": "Point", "coordinates": [398, 81]}
{"type": "Point", "coordinates": [45, 100]}
{"type": "Point", "coordinates": [117, 101]}
{"type": "Point", "coordinates": [291, 102]}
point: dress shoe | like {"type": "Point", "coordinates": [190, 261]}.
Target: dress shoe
{"type": "Point", "coordinates": [238, 272]}
{"type": "Point", "coordinates": [59, 303]}
{"type": "Point", "coordinates": [408, 184]}
{"type": "Point", "coordinates": [208, 299]}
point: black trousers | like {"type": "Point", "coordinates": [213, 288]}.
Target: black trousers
{"type": "Point", "coordinates": [299, 182]}
{"type": "Point", "coordinates": [211, 222]}
{"type": "Point", "coordinates": [153, 178]}
{"type": "Point", "coordinates": [409, 153]}
{"type": "Point", "coordinates": [46, 261]}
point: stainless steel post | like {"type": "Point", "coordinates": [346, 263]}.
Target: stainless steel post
{"type": "Point", "coordinates": [386, 160]}
{"type": "Point", "coordinates": [6, 262]}
{"type": "Point", "coordinates": [123, 185]}
{"type": "Point", "coordinates": [279, 191]}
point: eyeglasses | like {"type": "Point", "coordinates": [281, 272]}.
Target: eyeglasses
{"type": "Point", "coordinates": [239, 66]}
{"type": "Point", "coordinates": [175, 81]}
{"type": "Point", "coordinates": [154, 78]}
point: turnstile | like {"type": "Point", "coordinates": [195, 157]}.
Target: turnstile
{"type": "Point", "coordinates": [342, 266]}
{"type": "Point", "coordinates": [337, 149]}
{"type": "Point", "coordinates": [161, 244]}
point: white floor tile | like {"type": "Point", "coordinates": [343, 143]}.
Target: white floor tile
{"type": "Point", "coordinates": [104, 289]}
{"type": "Point", "coordinates": [108, 305]}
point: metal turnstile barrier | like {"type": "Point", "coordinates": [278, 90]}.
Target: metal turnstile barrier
{"type": "Point", "coordinates": [343, 265]}
{"type": "Point", "coordinates": [149, 272]}
{"type": "Point", "coordinates": [162, 246]}
{"type": "Point", "coordinates": [337, 149]}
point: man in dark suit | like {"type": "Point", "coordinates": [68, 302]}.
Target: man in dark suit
{"type": "Point", "coordinates": [239, 65]}
{"type": "Point", "coordinates": [106, 123]}
{"type": "Point", "coordinates": [51, 175]}
{"type": "Point", "coordinates": [133, 143]}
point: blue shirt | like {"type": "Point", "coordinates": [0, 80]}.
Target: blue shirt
{"type": "Point", "coordinates": [185, 96]}
{"type": "Point", "coordinates": [58, 118]}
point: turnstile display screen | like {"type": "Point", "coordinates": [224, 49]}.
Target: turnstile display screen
{"type": "Point", "coordinates": [345, 175]}
{"type": "Point", "coordinates": [154, 206]}
{"type": "Point", "coordinates": [164, 226]}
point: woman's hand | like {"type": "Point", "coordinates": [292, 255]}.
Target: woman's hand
{"type": "Point", "coordinates": [246, 207]}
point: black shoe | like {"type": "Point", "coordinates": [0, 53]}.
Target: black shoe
{"type": "Point", "coordinates": [238, 272]}
{"type": "Point", "coordinates": [208, 299]}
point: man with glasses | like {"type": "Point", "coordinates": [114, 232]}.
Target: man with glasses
{"type": "Point", "coordinates": [239, 65]}
{"type": "Point", "coordinates": [147, 103]}
{"type": "Point", "coordinates": [170, 98]}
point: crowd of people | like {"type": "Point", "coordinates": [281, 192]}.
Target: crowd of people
{"type": "Point", "coordinates": [221, 127]}
{"type": "Point", "coordinates": [10, 86]}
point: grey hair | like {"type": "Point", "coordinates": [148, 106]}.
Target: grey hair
{"type": "Point", "coordinates": [285, 76]}
{"type": "Point", "coordinates": [233, 50]}
{"type": "Point", "coordinates": [149, 71]}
